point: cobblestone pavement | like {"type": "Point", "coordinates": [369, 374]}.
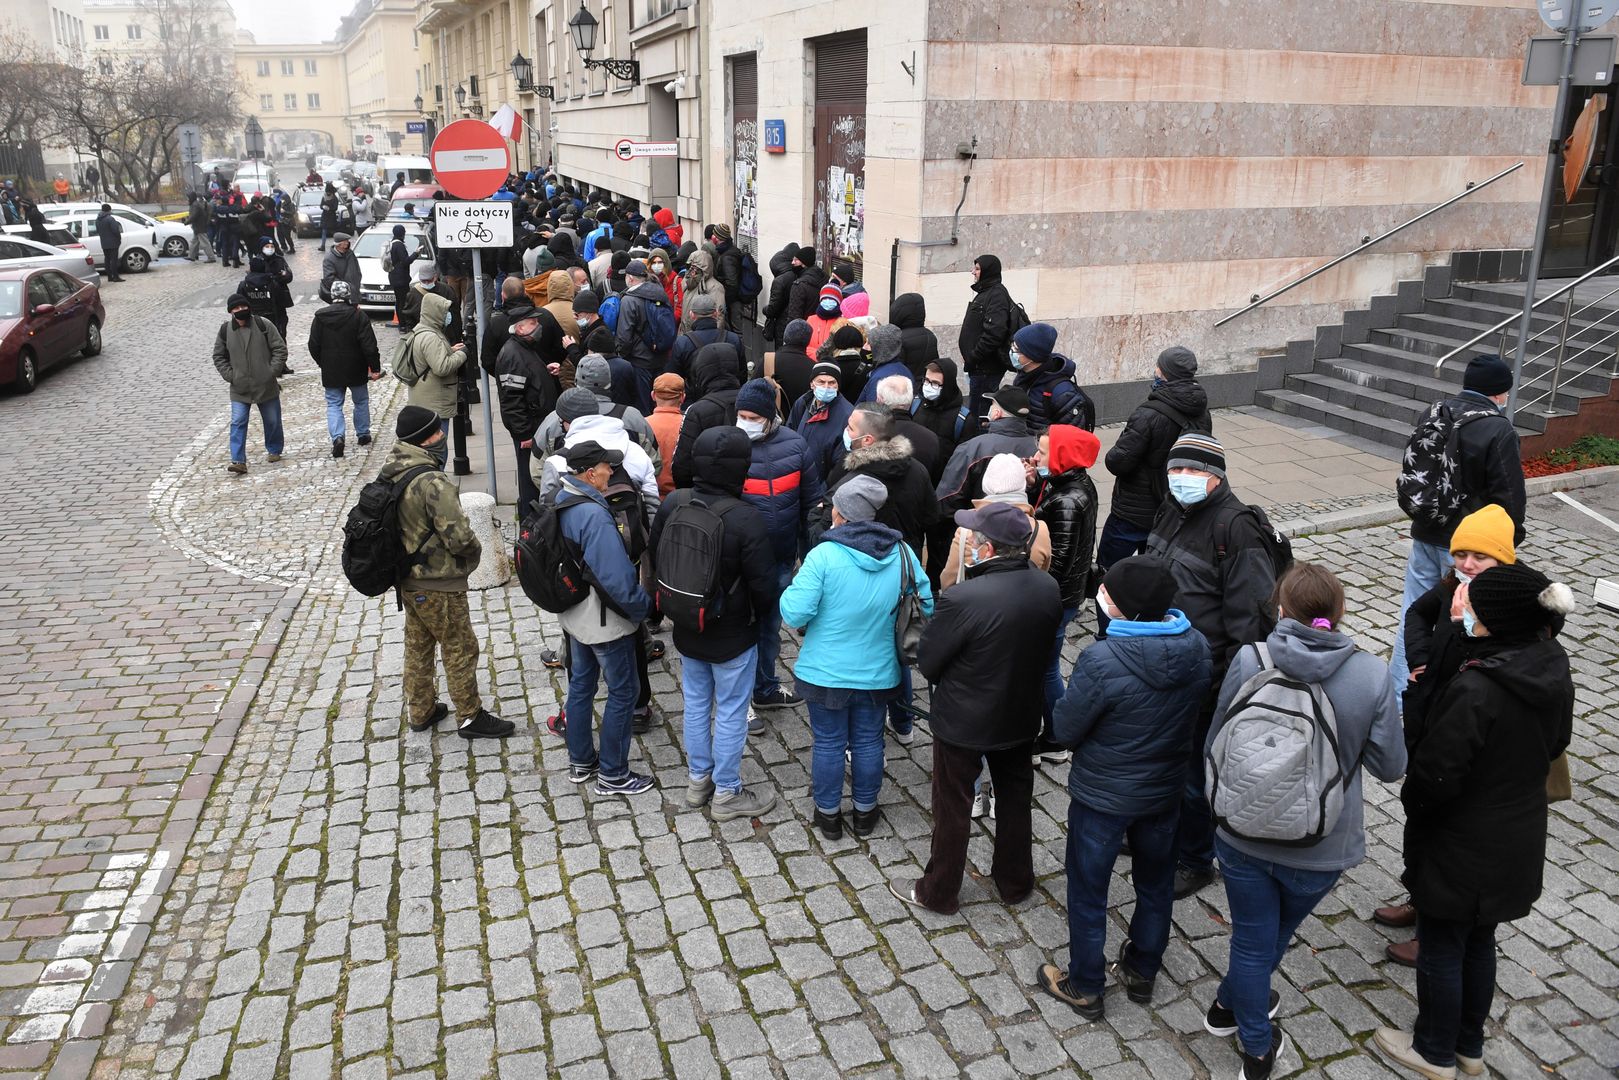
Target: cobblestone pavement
{"type": "Point", "coordinates": [360, 901]}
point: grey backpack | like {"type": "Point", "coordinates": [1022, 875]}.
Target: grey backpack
{"type": "Point", "coordinates": [405, 367]}
{"type": "Point", "coordinates": [1273, 771]}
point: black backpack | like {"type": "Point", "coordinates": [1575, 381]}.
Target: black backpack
{"type": "Point", "coordinates": [688, 587]}
{"type": "Point", "coordinates": [374, 558]}
{"type": "Point", "coordinates": [624, 502]}
{"type": "Point", "coordinates": [548, 564]}
{"type": "Point", "coordinates": [1277, 545]}
{"type": "Point", "coordinates": [1429, 487]}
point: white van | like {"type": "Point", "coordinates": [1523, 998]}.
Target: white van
{"type": "Point", "coordinates": [417, 170]}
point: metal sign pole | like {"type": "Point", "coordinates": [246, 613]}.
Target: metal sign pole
{"type": "Point", "coordinates": [476, 358]}
{"type": "Point", "coordinates": [1548, 188]}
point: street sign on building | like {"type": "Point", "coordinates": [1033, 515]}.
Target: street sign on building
{"type": "Point", "coordinates": [415, 127]}
{"type": "Point", "coordinates": [473, 224]}
{"type": "Point", "coordinates": [775, 136]}
{"type": "Point", "coordinates": [470, 160]}
{"type": "Point", "coordinates": [629, 150]}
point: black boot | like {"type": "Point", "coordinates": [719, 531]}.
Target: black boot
{"type": "Point", "coordinates": [831, 825]}
{"type": "Point", "coordinates": [337, 446]}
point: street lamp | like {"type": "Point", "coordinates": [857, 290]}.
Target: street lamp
{"type": "Point", "coordinates": [583, 27]}
{"type": "Point", "coordinates": [523, 72]}
{"type": "Point", "coordinates": [418, 103]}
{"type": "Point", "coordinates": [460, 96]}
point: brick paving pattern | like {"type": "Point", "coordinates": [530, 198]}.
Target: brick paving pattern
{"type": "Point", "coordinates": [359, 901]}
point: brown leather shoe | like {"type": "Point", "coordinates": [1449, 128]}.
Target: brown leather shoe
{"type": "Point", "coordinates": [1403, 952]}
{"type": "Point", "coordinates": [1399, 916]}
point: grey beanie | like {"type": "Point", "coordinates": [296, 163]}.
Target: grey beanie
{"type": "Point", "coordinates": [702, 304]}
{"type": "Point", "coordinates": [575, 402]}
{"type": "Point", "coordinates": [798, 332]}
{"type": "Point", "coordinates": [885, 341]}
{"type": "Point", "coordinates": [593, 373]}
{"type": "Point", "coordinates": [860, 497]}
{"type": "Point", "coordinates": [1177, 362]}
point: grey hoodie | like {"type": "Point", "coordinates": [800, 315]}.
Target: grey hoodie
{"type": "Point", "coordinates": [1370, 736]}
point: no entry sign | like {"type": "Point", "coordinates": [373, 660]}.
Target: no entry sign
{"type": "Point", "coordinates": [470, 159]}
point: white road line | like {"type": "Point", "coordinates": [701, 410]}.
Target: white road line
{"type": "Point", "coordinates": [1587, 511]}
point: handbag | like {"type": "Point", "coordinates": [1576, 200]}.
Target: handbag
{"type": "Point", "coordinates": [1559, 785]}
{"type": "Point", "coordinates": [909, 618]}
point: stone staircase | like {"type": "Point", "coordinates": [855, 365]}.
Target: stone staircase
{"type": "Point", "coordinates": [1373, 376]}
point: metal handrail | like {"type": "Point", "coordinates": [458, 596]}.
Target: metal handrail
{"type": "Point", "coordinates": [1472, 189]}
{"type": "Point", "coordinates": [1556, 372]}
{"type": "Point", "coordinates": [1518, 315]}
{"type": "Point", "coordinates": [1578, 374]}
{"type": "Point", "coordinates": [1562, 343]}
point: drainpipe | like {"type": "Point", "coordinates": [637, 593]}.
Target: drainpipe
{"type": "Point", "coordinates": [955, 225]}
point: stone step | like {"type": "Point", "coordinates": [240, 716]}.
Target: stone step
{"type": "Point", "coordinates": [1426, 388]}
{"type": "Point", "coordinates": [1341, 418]}
{"type": "Point", "coordinates": [1398, 351]}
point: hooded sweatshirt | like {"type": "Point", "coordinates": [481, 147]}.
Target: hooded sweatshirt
{"type": "Point", "coordinates": [609, 433]}
{"type": "Point", "coordinates": [947, 415]}
{"type": "Point", "coordinates": [559, 293]}
{"type": "Point", "coordinates": [711, 396]}
{"type": "Point", "coordinates": [1369, 733]}
{"type": "Point", "coordinates": [439, 365]}
{"type": "Point", "coordinates": [918, 345]}
{"type": "Point", "coordinates": [699, 281]}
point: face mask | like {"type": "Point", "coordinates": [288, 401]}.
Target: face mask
{"type": "Point", "coordinates": [755, 429]}
{"type": "Point", "coordinates": [1158, 381]}
{"type": "Point", "coordinates": [656, 268]}
{"type": "Point", "coordinates": [1102, 603]}
{"type": "Point", "coordinates": [1469, 623]}
{"type": "Point", "coordinates": [931, 391]}
{"type": "Point", "coordinates": [971, 557]}
{"type": "Point", "coordinates": [825, 394]}
{"type": "Point", "coordinates": [439, 452]}
{"type": "Point", "coordinates": [1188, 490]}
{"type": "Point", "coordinates": [449, 316]}
{"type": "Point", "coordinates": [1464, 579]}
{"type": "Point", "coordinates": [242, 316]}
{"type": "Point", "coordinates": [1042, 471]}
{"type": "Point", "coordinates": [582, 321]}
{"type": "Point", "coordinates": [829, 311]}
{"type": "Point", "coordinates": [847, 443]}
{"type": "Point", "coordinates": [1012, 360]}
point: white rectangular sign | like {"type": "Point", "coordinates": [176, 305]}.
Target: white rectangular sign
{"type": "Point", "coordinates": [473, 224]}
{"type": "Point", "coordinates": [628, 150]}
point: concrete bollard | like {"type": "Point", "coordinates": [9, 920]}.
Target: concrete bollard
{"type": "Point", "coordinates": [495, 568]}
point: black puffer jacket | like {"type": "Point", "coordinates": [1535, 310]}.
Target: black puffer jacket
{"type": "Point", "coordinates": [712, 394]}
{"type": "Point", "coordinates": [985, 653]}
{"type": "Point", "coordinates": [918, 346]}
{"type": "Point", "coordinates": [924, 444]}
{"type": "Point", "coordinates": [806, 291]}
{"type": "Point", "coordinates": [747, 567]}
{"type": "Point", "coordinates": [1137, 459]}
{"type": "Point", "coordinates": [782, 275]}
{"type": "Point", "coordinates": [943, 416]}
{"type": "Point", "coordinates": [528, 391]}
{"type": "Point", "coordinates": [1068, 507]}
{"type": "Point", "coordinates": [1475, 787]}
{"type": "Point", "coordinates": [911, 507]}
{"type": "Point", "coordinates": [986, 328]}
{"type": "Point", "coordinates": [343, 345]}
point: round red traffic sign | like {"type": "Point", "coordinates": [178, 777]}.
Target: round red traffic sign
{"type": "Point", "coordinates": [470, 159]}
{"type": "Point", "coordinates": [624, 149]}
{"type": "Point", "coordinates": [370, 139]}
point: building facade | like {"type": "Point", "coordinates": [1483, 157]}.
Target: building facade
{"type": "Point", "coordinates": [467, 46]}
{"type": "Point", "coordinates": [298, 93]}
{"type": "Point", "coordinates": [1140, 173]}
{"type": "Point", "coordinates": [52, 26]}
{"type": "Point", "coordinates": [197, 35]}
{"type": "Point", "coordinates": [378, 42]}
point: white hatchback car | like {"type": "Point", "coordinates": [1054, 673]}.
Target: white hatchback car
{"type": "Point", "coordinates": [173, 238]}
{"type": "Point", "coordinates": [369, 248]}
{"type": "Point", "coordinates": [136, 249]}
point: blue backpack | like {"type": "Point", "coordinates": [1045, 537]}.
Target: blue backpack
{"type": "Point", "coordinates": [752, 284]}
{"type": "Point", "coordinates": [660, 326]}
{"type": "Point", "coordinates": [609, 312]}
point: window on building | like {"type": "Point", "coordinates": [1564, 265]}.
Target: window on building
{"type": "Point", "coordinates": [104, 66]}
{"type": "Point", "coordinates": [314, 101]}
{"type": "Point", "coordinates": [289, 102]}
{"type": "Point", "coordinates": [309, 67]}
{"type": "Point", "coordinates": [264, 68]}
{"type": "Point", "coordinates": [133, 32]}
{"type": "Point", "coordinates": [267, 102]}
{"type": "Point", "coordinates": [103, 33]}
{"type": "Point", "coordinates": [286, 67]}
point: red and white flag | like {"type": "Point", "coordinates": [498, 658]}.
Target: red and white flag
{"type": "Point", "coordinates": [509, 122]}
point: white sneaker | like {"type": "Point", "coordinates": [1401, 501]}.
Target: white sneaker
{"type": "Point", "coordinates": [755, 725]}
{"type": "Point", "coordinates": [981, 803]}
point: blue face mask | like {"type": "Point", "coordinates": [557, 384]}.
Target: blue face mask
{"type": "Point", "coordinates": [825, 394]}
{"type": "Point", "coordinates": [449, 317]}
{"type": "Point", "coordinates": [1188, 490]}
{"type": "Point", "coordinates": [1042, 471]}
{"type": "Point", "coordinates": [1158, 381]}
{"type": "Point", "coordinates": [1013, 360]}
{"type": "Point", "coordinates": [847, 445]}
{"type": "Point", "coordinates": [1469, 622]}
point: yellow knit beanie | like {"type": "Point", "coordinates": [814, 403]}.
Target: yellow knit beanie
{"type": "Point", "coordinates": [1488, 531]}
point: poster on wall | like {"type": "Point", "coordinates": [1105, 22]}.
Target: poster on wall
{"type": "Point", "coordinates": [745, 191]}
{"type": "Point", "coordinates": [845, 212]}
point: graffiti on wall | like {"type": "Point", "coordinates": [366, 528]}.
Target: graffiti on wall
{"type": "Point", "coordinates": [745, 194]}
{"type": "Point", "coordinates": [845, 212]}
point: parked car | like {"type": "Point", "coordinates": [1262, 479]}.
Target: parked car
{"type": "Point", "coordinates": [309, 198]}
{"type": "Point", "coordinates": [64, 253]}
{"type": "Point", "coordinates": [173, 238]}
{"type": "Point", "coordinates": [46, 316]}
{"type": "Point", "coordinates": [419, 196]}
{"type": "Point", "coordinates": [369, 247]}
{"type": "Point", "coordinates": [137, 248]}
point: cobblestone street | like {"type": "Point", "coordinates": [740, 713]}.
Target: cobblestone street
{"type": "Point", "coordinates": [222, 854]}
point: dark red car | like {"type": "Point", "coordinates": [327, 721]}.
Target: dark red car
{"type": "Point", "coordinates": [46, 316]}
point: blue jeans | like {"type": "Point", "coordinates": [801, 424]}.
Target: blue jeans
{"type": "Point", "coordinates": [979, 388]}
{"type": "Point", "coordinates": [334, 410]}
{"type": "Point", "coordinates": [1093, 844]}
{"type": "Point", "coordinates": [1054, 679]}
{"type": "Point", "coordinates": [1120, 540]}
{"type": "Point", "coordinates": [714, 747]}
{"type": "Point", "coordinates": [902, 721]}
{"type": "Point", "coordinates": [616, 661]}
{"type": "Point", "coordinates": [1455, 985]}
{"type": "Point", "coordinates": [1268, 901]}
{"type": "Point", "coordinates": [1427, 564]}
{"type": "Point", "coordinates": [1194, 833]}
{"type": "Point", "coordinates": [765, 680]}
{"type": "Point", "coordinates": [857, 726]}
{"type": "Point", "coordinates": [269, 416]}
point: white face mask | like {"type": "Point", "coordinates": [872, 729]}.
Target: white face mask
{"type": "Point", "coordinates": [931, 391]}
{"type": "Point", "coordinates": [755, 428]}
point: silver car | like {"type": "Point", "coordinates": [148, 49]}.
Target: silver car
{"type": "Point", "coordinates": [18, 252]}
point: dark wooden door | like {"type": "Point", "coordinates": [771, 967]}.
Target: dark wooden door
{"type": "Point", "coordinates": [840, 148]}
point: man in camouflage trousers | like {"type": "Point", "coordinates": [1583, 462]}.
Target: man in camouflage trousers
{"type": "Point", "coordinates": [441, 551]}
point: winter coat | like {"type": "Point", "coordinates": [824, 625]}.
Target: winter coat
{"type": "Point", "coordinates": [703, 332]}
{"type": "Point", "coordinates": [955, 563]}
{"type": "Point", "coordinates": [251, 358]}
{"type": "Point", "coordinates": [400, 258]}
{"type": "Point", "coordinates": [1055, 396]}
{"type": "Point", "coordinates": [881, 372]}
{"type": "Point", "coordinates": [559, 294]}
{"type": "Point", "coordinates": [784, 484]}
{"type": "Point", "coordinates": [1434, 642]}
{"type": "Point", "coordinates": [792, 371]}
{"type": "Point", "coordinates": [805, 293]}
{"type": "Point", "coordinates": [845, 598]}
{"type": "Point", "coordinates": [728, 270]}
{"type": "Point", "coordinates": [911, 507]}
{"type": "Point", "coordinates": [822, 428]}
{"type": "Point", "coordinates": [201, 214]}
{"type": "Point", "coordinates": [918, 345]}
{"type": "Point", "coordinates": [276, 266]}
{"type": "Point", "coordinates": [985, 652]}
{"type": "Point", "coordinates": [986, 328]}
{"type": "Point", "coordinates": [439, 364]}
{"type": "Point", "coordinates": [432, 523]}
{"type": "Point", "coordinates": [699, 281]}
{"type": "Point", "coordinates": [528, 391]}
{"type": "Point", "coordinates": [1489, 469]}
{"type": "Point", "coordinates": [963, 479]}
{"type": "Point", "coordinates": [947, 416]}
{"type": "Point", "coordinates": [1068, 507]}
{"type": "Point", "coordinates": [747, 570]}
{"type": "Point", "coordinates": [673, 232]}
{"type": "Point", "coordinates": [665, 422]}
{"type": "Point", "coordinates": [616, 603]}
{"type": "Point", "coordinates": [635, 313]}
{"type": "Point", "coordinates": [924, 444]}
{"type": "Point", "coordinates": [782, 276]}
{"type": "Point", "coordinates": [109, 231]}
{"type": "Point", "coordinates": [339, 266]}
{"type": "Point", "coordinates": [550, 464]}
{"type": "Point", "coordinates": [1229, 599]}
{"type": "Point", "coordinates": [1369, 736]}
{"type": "Point", "coordinates": [711, 396]}
{"type": "Point", "coordinates": [821, 331]}
{"type": "Point", "coordinates": [1129, 713]}
{"type": "Point", "coordinates": [1475, 789]}
{"type": "Point", "coordinates": [1137, 458]}
{"type": "Point", "coordinates": [343, 346]}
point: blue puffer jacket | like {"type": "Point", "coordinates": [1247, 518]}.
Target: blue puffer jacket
{"type": "Point", "coordinates": [823, 431]}
{"type": "Point", "coordinates": [1129, 712]}
{"type": "Point", "coordinates": [784, 483]}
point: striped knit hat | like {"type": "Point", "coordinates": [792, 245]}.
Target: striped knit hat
{"type": "Point", "coordinates": [1195, 450]}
